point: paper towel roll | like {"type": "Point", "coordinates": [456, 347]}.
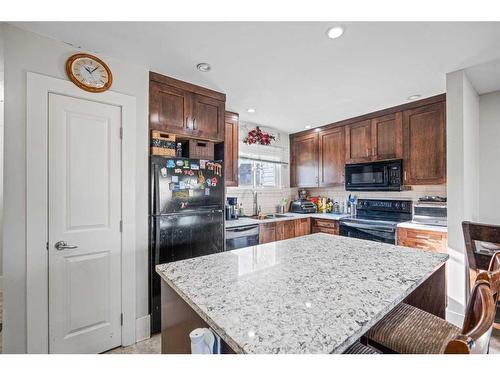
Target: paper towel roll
{"type": "Point", "coordinates": [202, 341]}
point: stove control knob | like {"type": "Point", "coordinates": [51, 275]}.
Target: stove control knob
{"type": "Point", "coordinates": [397, 205]}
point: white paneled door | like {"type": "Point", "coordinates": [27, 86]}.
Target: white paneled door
{"type": "Point", "coordinates": [84, 239]}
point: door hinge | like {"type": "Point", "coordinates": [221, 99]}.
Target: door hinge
{"type": "Point", "coordinates": [121, 133]}
{"type": "Point", "coordinates": [47, 246]}
{"type": "Point", "coordinates": [121, 319]}
{"type": "Point", "coordinates": [121, 226]}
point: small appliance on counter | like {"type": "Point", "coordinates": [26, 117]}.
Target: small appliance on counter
{"type": "Point", "coordinates": [431, 210]}
{"type": "Point", "coordinates": [231, 208]}
{"type": "Point", "coordinates": [303, 206]}
{"type": "Point", "coordinates": [303, 193]}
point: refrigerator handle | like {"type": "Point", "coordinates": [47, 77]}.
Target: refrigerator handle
{"type": "Point", "coordinates": [157, 240]}
{"type": "Point", "coordinates": [156, 191]}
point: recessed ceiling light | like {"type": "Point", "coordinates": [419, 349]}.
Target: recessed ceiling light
{"type": "Point", "coordinates": [203, 67]}
{"type": "Point", "coordinates": [251, 110]}
{"type": "Point", "coordinates": [308, 126]}
{"type": "Point", "coordinates": [413, 97]}
{"type": "Point", "coordinates": [335, 32]}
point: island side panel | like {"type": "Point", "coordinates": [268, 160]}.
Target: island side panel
{"type": "Point", "coordinates": [431, 296]}
{"type": "Point", "coordinates": [178, 319]}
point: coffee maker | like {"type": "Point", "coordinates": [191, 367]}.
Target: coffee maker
{"type": "Point", "coordinates": [231, 208]}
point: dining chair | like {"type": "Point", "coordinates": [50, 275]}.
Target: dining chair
{"type": "Point", "coordinates": [409, 330]}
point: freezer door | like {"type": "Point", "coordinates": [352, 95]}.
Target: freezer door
{"type": "Point", "coordinates": [185, 184]}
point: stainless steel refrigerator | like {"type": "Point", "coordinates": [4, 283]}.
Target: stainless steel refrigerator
{"type": "Point", "coordinates": [186, 216]}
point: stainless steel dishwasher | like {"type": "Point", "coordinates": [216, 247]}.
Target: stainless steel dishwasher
{"type": "Point", "coordinates": [243, 236]}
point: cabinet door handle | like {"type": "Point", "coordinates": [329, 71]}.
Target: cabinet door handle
{"type": "Point", "coordinates": [194, 124]}
{"type": "Point", "coordinates": [422, 236]}
{"type": "Point", "coordinates": [405, 176]}
{"type": "Point", "coordinates": [187, 123]}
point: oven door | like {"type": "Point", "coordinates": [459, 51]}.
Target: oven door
{"type": "Point", "coordinates": [370, 232]}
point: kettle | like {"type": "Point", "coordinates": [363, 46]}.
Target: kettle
{"type": "Point", "coordinates": [202, 341]}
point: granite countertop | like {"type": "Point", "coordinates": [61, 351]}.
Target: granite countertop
{"type": "Point", "coordinates": [418, 226]}
{"type": "Point", "coordinates": [310, 294]}
{"type": "Point", "coordinates": [242, 221]}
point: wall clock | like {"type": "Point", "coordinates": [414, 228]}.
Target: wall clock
{"type": "Point", "coordinates": [89, 72]}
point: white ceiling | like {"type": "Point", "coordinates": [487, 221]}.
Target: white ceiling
{"type": "Point", "coordinates": [291, 73]}
{"type": "Point", "coordinates": [485, 77]}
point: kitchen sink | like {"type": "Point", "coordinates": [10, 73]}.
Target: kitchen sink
{"type": "Point", "coordinates": [270, 216]}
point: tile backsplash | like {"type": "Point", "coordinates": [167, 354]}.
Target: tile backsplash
{"type": "Point", "coordinates": [269, 199]}
{"type": "Point", "coordinates": [416, 192]}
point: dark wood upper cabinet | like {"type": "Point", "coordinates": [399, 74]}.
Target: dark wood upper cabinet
{"type": "Point", "coordinates": [414, 132]}
{"type": "Point", "coordinates": [331, 157]}
{"type": "Point", "coordinates": [358, 142]}
{"type": "Point", "coordinates": [304, 160]}
{"type": "Point", "coordinates": [207, 117]}
{"type": "Point", "coordinates": [424, 136]}
{"type": "Point", "coordinates": [231, 149]}
{"type": "Point", "coordinates": [169, 108]}
{"type": "Point", "coordinates": [185, 109]}
{"type": "Point", "coordinates": [387, 137]}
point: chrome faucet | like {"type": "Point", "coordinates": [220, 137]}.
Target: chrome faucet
{"type": "Point", "coordinates": [255, 204]}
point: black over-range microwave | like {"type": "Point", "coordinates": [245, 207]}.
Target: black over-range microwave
{"type": "Point", "coordinates": [374, 176]}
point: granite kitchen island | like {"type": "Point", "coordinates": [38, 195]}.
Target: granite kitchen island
{"type": "Point", "coordinates": [312, 294]}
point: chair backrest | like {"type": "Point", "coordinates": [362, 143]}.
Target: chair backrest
{"type": "Point", "coordinates": [493, 275]}
{"type": "Point", "coordinates": [478, 322]}
{"type": "Point", "coordinates": [479, 259]}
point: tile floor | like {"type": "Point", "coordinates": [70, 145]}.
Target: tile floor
{"type": "Point", "coordinates": [153, 346]}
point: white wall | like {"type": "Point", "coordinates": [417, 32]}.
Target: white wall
{"type": "Point", "coordinates": [1, 154]}
{"type": "Point", "coordinates": [462, 112]}
{"type": "Point", "coordinates": [489, 158]}
{"type": "Point", "coordinates": [25, 52]}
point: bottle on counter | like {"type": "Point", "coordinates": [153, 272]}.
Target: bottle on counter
{"type": "Point", "coordinates": [178, 150]}
{"type": "Point", "coordinates": [241, 212]}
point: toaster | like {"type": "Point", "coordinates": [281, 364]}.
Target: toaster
{"type": "Point", "coordinates": [302, 206]}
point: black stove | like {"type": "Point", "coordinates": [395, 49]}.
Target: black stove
{"type": "Point", "coordinates": [376, 219]}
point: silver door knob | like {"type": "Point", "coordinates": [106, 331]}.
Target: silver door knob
{"type": "Point", "coordinates": [61, 245]}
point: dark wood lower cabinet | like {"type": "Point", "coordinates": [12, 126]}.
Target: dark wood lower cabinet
{"type": "Point", "coordinates": [285, 230]}
{"type": "Point", "coordinates": [325, 226]}
{"type": "Point", "coordinates": [423, 239]}
{"type": "Point", "coordinates": [302, 227]}
{"type": "Point", "coordinates": [267, 232]}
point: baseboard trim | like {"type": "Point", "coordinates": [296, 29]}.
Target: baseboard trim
{"type": "Point", "coordinates": [142, 328]}
{"type": "Point", "coordinates": [455, 318]}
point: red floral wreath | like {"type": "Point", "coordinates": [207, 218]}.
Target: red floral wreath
{"type": "Point", "coordinates": [258, 136]}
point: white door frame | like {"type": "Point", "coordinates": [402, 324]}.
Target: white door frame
{"type": "Point", "coordinates": [37, 275]}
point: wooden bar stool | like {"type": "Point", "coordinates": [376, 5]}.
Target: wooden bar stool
{"type": "Point", "coordinates": [409, 330]}
{"type": "Point", "coordinates": [482, 243]}
{"type": "Point", "coordinates": [359, 348]}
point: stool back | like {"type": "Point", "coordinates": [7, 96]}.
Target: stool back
{"type": "Point", "coordinates": [478, 322]}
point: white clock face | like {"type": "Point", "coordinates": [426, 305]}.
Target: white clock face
{"type": "Point", "coordinates": [90, 72]}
